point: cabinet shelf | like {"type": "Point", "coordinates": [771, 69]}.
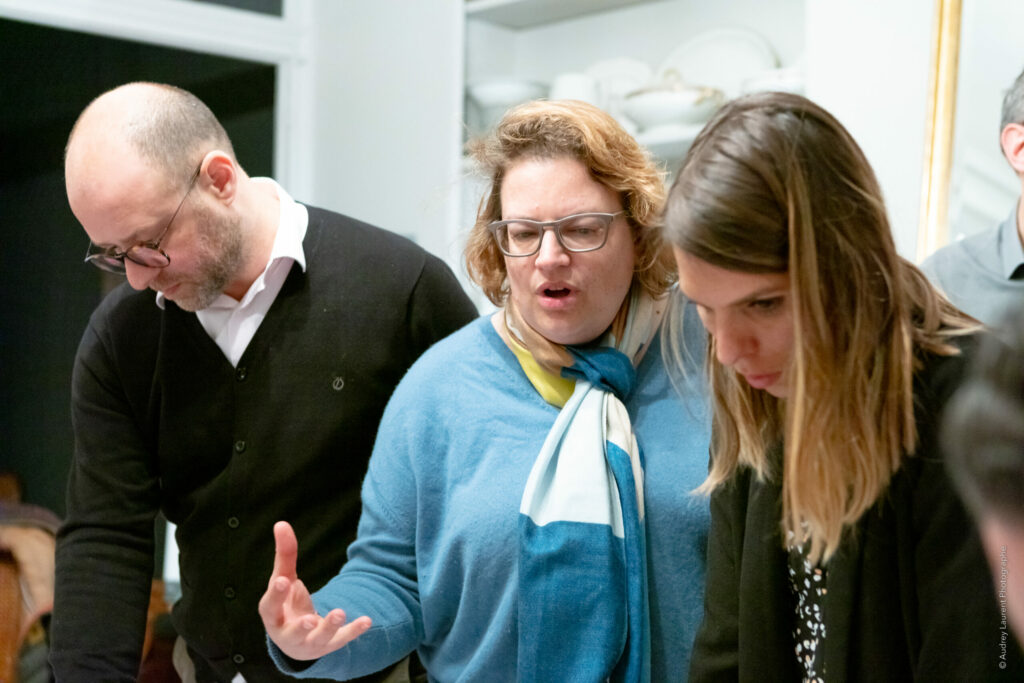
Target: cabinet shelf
{"type": "Point", "coordinates": [518, 14]}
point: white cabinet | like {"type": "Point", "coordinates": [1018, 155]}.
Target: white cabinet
{"type": "Point", "coordinates": [509, 38]}
{"type": "Point", "coordinates": [537, 40]}
{"type": "Point", "coordinates": [518, 14]}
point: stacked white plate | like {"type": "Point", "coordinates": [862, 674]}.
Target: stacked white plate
{"type": "Point", "coordinates": [723, 58]}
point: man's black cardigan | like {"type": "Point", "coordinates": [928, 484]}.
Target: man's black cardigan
{"type": "Point", "coordinates": [163, 421]}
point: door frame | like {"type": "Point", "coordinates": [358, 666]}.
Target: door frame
{"type": "Point", "coordinates": [285, 42]}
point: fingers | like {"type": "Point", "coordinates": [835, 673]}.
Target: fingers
{"type": "Point", "coordinates": [286, 551]}
{"type": "Point", "coordinates": [347, 633]}
{"type": "Point", "coordinates": [332, 633]}
{"type": "Point", "coordinates": [311, 636]}
{"type": "Point", "coordinates": [272, 603]}
{"type": "Point", "coordinates": [284, 590]}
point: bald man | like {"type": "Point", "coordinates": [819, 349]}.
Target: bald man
{"type": "Point", "coordinates": [245, 388]}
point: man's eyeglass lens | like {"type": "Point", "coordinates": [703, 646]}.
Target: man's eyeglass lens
{"type": "Point", "coordinates": [142, 254]}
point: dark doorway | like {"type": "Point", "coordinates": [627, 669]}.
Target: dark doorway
{"type": "Point", "coordinates": [47, 76]}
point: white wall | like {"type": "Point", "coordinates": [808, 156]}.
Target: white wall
{"type": "Point", "coordinates": [387, 114]}
{"type": "Point", "coordinates": [869, 66]}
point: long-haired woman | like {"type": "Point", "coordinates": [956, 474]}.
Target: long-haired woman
{"type": "Point", "coordinates": [838, 548]}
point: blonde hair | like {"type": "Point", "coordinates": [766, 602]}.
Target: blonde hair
{"type": "Point", "coordinates": [577, 130]}
{"type": "Point", "coordinates": [775, 184]}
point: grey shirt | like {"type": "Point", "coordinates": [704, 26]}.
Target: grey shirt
{"type": "Point", "coordinates": [982, 274]}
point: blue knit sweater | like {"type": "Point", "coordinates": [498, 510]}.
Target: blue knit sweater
{"type": "Point", "coordinates": [435, 562]}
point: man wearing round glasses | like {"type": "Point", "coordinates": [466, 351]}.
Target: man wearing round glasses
{"type": "Point", "coordinates": [248, 392]}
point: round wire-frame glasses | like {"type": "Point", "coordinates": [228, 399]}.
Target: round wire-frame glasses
{"type": "Point", "coordinates": [147, 254]}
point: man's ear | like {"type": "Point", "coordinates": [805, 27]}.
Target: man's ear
{"type": "Point", "coordinates": [1012, 142]}
{"type": "Point", "coordinates": [221, 175]}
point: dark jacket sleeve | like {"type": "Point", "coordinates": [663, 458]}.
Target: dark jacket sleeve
{"type": "Point", "coordinates": [104, 563]}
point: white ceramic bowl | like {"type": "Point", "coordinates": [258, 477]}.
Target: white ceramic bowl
{"type": "Point", "coordinates": [492, 98]}
{"type": "Point", "coordinates": [652, 107]}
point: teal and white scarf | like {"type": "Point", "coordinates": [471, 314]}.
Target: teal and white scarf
{"type": "Point", "coordinates": [581, 523]}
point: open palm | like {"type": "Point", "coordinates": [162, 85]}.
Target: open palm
{"type": "Point", "coordinates": [288, 613]}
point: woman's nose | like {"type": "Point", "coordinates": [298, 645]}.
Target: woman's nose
{"type": "Point", "coordinates": [731, 342]}
{"type": "Point", "coordinates": [139, 276]}
{"type": "Point", "coordinates": [551, 252]}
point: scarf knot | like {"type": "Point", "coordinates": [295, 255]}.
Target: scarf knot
{"type": "Point", "coordinates": [606, 368]}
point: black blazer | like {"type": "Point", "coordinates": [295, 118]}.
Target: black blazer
{"type": "Point", "coordinates": [910, 596]}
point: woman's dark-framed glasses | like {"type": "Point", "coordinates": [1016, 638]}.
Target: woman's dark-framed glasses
{"type": "Point", "coordinates": [577, 233]}
{"type": "Point", "coordinates": [147, 254]}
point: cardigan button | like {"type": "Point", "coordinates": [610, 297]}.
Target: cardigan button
{"type": "Point", "coordinates": [238, 659]}
{"type": "Point", "coordinates": [240, 446]}
{"type": "Point", "coordinates": [233, 522]}
{"type": "Point", "coordinates": [241, 373]}
{"type": "Point", "coordinates": [229, 593]}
